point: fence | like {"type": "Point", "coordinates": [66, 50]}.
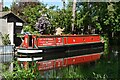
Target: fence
{"type": "Point", "coordinates": [6, 58]}
{"type": "Point", "coordinates": [6, 53]}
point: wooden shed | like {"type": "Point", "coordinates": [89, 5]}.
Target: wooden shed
{"type": "Point", "coordinates": [11, 24]}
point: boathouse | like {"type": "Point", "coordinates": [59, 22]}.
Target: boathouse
{"type": "Point", "coordinates": [11, 24]}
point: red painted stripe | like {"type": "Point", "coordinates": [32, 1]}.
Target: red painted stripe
{"type": "Point", "coordinates": [52, 41]}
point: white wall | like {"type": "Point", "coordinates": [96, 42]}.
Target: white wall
{"type": "Point", "coordinates": [6, 28]}
{"type": "Point", "coordinates": [3, 28]}
{"type": "Point", "coordinates": [11, 32]}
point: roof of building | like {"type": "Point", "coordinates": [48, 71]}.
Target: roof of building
{"type": "Point", "coordinates": [7, 13]}
{"type": "Point", "coordinates": [3, 13]}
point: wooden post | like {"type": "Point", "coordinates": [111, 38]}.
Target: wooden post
{"type": "Point", "coordinates": [73, 15]}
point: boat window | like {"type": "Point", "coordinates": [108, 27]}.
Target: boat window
{"type": "Point", "coordinates": [30, 40]}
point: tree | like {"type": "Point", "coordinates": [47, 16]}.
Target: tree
{"type": "Point", "coordinates": [104, 17]}
{"type": "Point", "coordinates": [57, 17]}
{"type": "Point", "coordinates": [6, 8]}
{"type": "Point", "coordinates": [29, 12]}
{"type": "Point", "coordinates": [60, 18]}
{"type": "Point", "coordinates": [73, 14]}
{"type": "Point", "coordinates": [63, 4]}
{"type": "Point", "coordinates": [18, 6]}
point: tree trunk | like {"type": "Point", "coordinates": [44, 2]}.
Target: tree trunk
{"type": "Point", "coordinates": [73, 14]}
{"type": "Point", "coordinates": [63, 4]}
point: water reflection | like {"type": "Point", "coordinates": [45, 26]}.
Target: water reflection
{"type": "Point", "coordinates": [101, 67]}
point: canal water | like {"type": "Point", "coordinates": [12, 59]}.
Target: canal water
{"type": "Point", "coordinates": [106, 67]}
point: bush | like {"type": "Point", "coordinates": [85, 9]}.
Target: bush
{"type": "Point", "coordinates": [31, 73]}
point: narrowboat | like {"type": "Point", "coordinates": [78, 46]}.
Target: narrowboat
{"type": "Point", "coordinates": [53, 51]}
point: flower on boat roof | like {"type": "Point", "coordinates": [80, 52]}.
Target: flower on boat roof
{"type": "Point", "coordinates": [59, 31]}
{"type": "Point", "coordinates": [42, 24]}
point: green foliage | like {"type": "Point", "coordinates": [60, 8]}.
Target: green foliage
{"type": "Point", "coordinates": [57, 17]}
{"type": "Point", "coordinates": [5, 71]}
{"type": "Point", "coordinates": [31, 14]}
{"type": "Point", "coordinates": [107, 18]}
{"type": "Point", "coordinates": [6, 8]}
{"type": "Point", "coordinates": [60, 18]}
{"type": "Point", "coordinates": [103, 16]}
{"type": "Point", "coordinates": [21, 73]}
{"type": "Point", "coordinates": [99, 76]}
{"type": "Point", "coordinates": [17, 7]}
{"type": "Point", "coordinates": [30, 30]}
{"type": "Point", "coordinates": [82, 72]}
{"type": "Point", "coordinates": [5, 39]}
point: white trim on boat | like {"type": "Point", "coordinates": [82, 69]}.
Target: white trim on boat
{"type": "Point", "coordinates": [29, 59]}
{"type": "Point", "coordinates": [29, 51]}
{"type": "Point", "coordinates": [39, 58]}
{"type": "Point", "coordinates": [24, 59]}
